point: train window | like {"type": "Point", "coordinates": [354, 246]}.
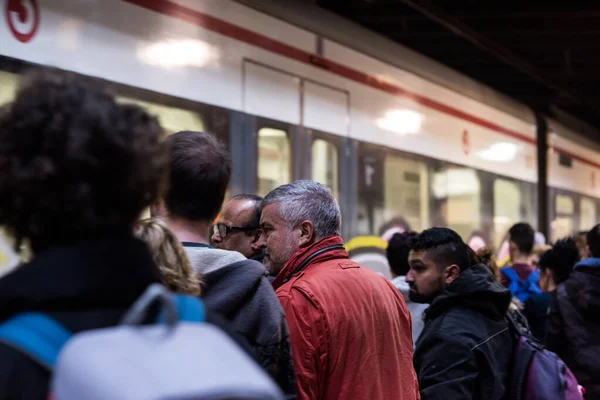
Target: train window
{"type": "Point", "coordinates": [406, 192]}
{"type": "Point", "coordinates": [369, 216]}
{"type": "Point", "coordinates": [325, 164]}
{"type": "Point", "coordinates": [587, 214]}
{"type": "Point", "coordinates": [507, 208]}
{"type": "Point", "coordinates": [457, 193]}
{"type": "Point", "coordinates": [563, 223]}
{"type": "Point", "coordinates": [274, 160]}
{"type": "Point", "coordinates": [8, 86]}
{"type": "Point", "coordinates": [171, 119]}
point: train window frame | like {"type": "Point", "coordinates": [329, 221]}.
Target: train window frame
{"type": "Point", "coordinates": [555, 215]}
{"type": "Point", "coordinates": [337, 142]}
{"type": "Point", "coordinates": [379, 153]}
{"type": "Point", "coordinates": [261, 123]}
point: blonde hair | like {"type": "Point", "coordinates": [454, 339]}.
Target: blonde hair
{"type": "Point", "coordinates": [486, 256]}
{"type": "Point", "coordinates": [169, 255]}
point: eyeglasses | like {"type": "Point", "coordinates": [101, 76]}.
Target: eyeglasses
{"type": "Point", "coordinates": [224, 230]}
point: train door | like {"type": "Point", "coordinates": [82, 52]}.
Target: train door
{"type": "Point", "coordinates": [325, 122]}
{"type": "Point", "coordinates": [272, 99]}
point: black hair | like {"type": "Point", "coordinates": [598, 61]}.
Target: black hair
{"type": "Point", "coordinates": [560, 259]}
{"type": "Point", "coordinates": [445, 247]}
{"type": "Point", "coordinates": [200, 169]}
{"type": "Point", "coordinates": [74, 163]}
{"type": "Point", "coordinates": [397, 252]}
{"type": "Point", "coordinates": [396, 221]}
{"type": "Point", "coordinates": [523, 235]}
{"type": "Point", "coordinates": [255, 220]}
{"type": "Point", "coordinates": [593, 241]}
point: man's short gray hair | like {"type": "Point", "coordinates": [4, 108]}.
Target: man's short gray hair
{"type": "Point", "coordinates": [307, 200]}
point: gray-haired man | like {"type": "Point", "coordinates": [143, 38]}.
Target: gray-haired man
{"type": "Point", "coordinates": [349, 327]}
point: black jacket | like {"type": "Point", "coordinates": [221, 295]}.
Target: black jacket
{"type": "Point", "coordinates": [86, 286]}
{"type": "Point", "coordinates": [465, 348]}
{"type": "Point", "coordinates": [536, 311]}
{"type": "Point", "coordinates": [573, 328]}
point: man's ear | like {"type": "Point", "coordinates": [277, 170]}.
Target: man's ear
{"type": "Point", "coordinates": [307, 233]}
{"type": "Point", "coordinates": [451, 273]}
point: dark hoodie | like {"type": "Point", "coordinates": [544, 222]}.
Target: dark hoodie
{"type": "Point", "coordinates": [237, 288]}
{"type": "Point", "coordinates": [465, 348]}
{"type": "Point", "coordinates": [573, 330]}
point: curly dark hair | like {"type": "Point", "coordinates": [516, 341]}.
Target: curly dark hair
{"type": "Point", "coordinates": [74, 163]}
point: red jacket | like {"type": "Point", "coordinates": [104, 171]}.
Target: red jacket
{"type": "Point", "coordinates": [349, 327]}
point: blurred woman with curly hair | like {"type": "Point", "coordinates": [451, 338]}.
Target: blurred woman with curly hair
{"type": "Point", "coordinates": [170, 256]}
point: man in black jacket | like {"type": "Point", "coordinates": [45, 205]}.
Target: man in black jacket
{"type": "Point", "coordinates": [465, 348]}
{"type": "Point", "coordinates": [573, 329]}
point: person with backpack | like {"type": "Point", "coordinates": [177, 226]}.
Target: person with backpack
{"type": "Point", "coordinates": [465, 348]}
{"type": "Point", "coordinates": [76, 170]}
{"type": "Point", "coordinates": [521, 277]}
{"type": "Point", "coordinates": [573, 327]}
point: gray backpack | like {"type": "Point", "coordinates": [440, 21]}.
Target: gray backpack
{"type": "Point", "coordinates": [179, 358]}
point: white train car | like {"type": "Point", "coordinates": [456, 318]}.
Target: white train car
{"type": "Point", "coordinates": [297, 93]}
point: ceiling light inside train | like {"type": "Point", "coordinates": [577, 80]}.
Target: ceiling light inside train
{"type": "Point", "coordinates": [178, 53]}
{"type": "Point", "coordinates": [501, 152]}
{"type": "Point", "coordinates": [402, 122]}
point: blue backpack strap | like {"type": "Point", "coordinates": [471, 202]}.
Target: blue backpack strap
{"type": "Point", "coordinates": [511, 274]}
{"type": "Point", "coordinates": [189, 309]}
{"type": "Point", "coordinates": [36, 335]}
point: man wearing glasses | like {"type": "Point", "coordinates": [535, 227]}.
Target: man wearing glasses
{"type": "Point", "coordinates": [238, 226]}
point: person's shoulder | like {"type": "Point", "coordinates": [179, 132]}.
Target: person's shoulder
{"type": "Point", "coordinates": [20, 376]}
{"type": "Point", "coordinates": [460, 324]}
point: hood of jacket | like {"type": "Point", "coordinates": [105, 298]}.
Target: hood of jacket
{"type": "Point", "coordinates": [583, 287]}
{"type": "Point", "coordinates": [475, 289]}
{"type": "Point", "coordinates": [229, 279]}
{"type": "Point", "coordinates": [107, 273]}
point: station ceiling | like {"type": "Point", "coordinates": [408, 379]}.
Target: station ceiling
{"type": "Point", "coordinates": [545, 54]}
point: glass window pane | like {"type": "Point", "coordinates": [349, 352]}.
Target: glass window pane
{"type": "Point", "coordinates": [458, 193]}
{"type": "Point", "coordinates": [172, 119]}
{"type": "Point", "coordinates": [564, 224]}
{"type": "Point", "coordinates": [588, 214]}
{"type": "Point", "coordinates": [273, 159]}
{"type": "Point", "coordinates": [325, 164]}
{"type": "Point", "coordinates": [406, 192]}
{"type": "Point", "coordinates": [8, 86]}
{"type": "Point", "coordinates": [507, 208]}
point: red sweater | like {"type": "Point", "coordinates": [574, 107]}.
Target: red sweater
{"type": "Point", "coordinates": [350, 329]}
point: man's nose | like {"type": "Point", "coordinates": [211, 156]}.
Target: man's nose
{"type": "Point", "coordinates": [216, 237]}
{"type": "Point", "coordinates": [262, 241]}
{"type": "Point", "coordinates": [409, 276]}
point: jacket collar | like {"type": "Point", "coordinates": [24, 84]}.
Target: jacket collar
{"type": "Point", "coordinates": [101, 273]}
{"type": "Point", "coordinates": [590, 262]}
{"type": "Point", "coordinates": [475, 289]}
{"type": "Point", "coordinates": [302, 254]}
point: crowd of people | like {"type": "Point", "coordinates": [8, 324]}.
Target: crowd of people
{"type": "Point", "coordinates": [77, 169]}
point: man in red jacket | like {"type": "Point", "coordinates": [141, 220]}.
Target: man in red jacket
{"type": "Point", "coordinates": [350, 328]}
